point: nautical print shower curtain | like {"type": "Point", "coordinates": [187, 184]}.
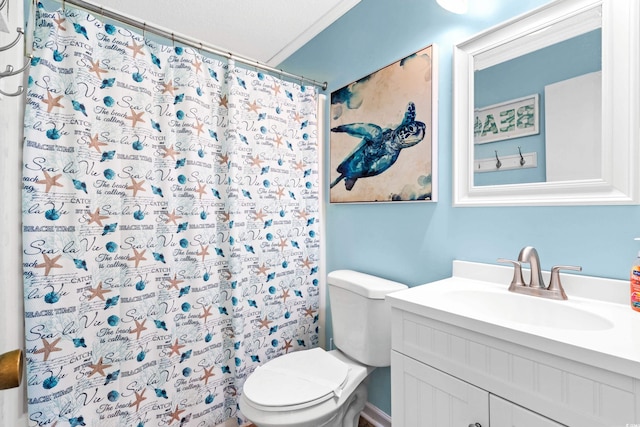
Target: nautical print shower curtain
{"type": "Point", "coordinates": [170, 227]}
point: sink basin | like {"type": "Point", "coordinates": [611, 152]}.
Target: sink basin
{"type": "Point", "coordinates": [524, 309]}
{"type": "Point", "coordinates": [594, 326]}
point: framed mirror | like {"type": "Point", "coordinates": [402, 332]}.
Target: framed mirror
{"type": "Point", "coordinates": [546, 108]}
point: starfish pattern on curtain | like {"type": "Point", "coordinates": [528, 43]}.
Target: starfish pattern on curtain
{"type": "Point", "coordinates": [170, 227]}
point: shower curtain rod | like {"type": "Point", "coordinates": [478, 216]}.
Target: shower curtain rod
{"type": "Point", "coordinates": [179, 38]}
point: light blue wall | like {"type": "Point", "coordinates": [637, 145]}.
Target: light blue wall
{"type": "Point", "coordinates": [415, 243]}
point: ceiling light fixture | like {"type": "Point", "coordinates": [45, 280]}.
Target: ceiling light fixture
{"type": "Point", "coordinates": [454, 6]}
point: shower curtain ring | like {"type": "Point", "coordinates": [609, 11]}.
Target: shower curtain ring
{"type": "Point", "coordinates": [173, 40]}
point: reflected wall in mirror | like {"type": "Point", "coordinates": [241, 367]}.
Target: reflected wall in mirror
{"type": "Point", "coordinates": [575, 62]}
{"type": "Point", "coordinates": [546, 108]}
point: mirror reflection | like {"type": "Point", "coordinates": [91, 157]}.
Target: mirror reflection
{"type": "Point", "coordinates": [537, 106]}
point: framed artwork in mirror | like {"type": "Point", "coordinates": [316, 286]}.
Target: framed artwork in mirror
{"type": "Point", "coordinates": [383, 134]}
{"type": "Point", "coordinates": [510, 119]}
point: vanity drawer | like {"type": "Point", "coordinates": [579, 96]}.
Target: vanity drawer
{"type": "Point", "coordinates": [503, 413]}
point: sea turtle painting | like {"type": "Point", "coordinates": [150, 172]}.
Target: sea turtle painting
{"type": "Point", "coordinates": [379, 148]}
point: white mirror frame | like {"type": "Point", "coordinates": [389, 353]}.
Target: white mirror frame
{"type": "Point", "coordinates": [619, 184]}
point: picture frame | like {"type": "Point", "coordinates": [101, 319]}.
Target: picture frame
{"type": "Point", "coordinates": [383, 139]}
{"type": "Point", "coordinates": [507, 120]}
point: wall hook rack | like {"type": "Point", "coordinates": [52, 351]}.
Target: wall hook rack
{"type": "Point", "coordinates": [10, 70]}
{"type": "Point", "coordinates": [504, 163]}
{"type": "Point", "coordinates": [16, 93]}
{"type": "Point", "coordinates": [14, 42]}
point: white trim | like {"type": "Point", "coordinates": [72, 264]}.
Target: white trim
{"type": "Point", "coordinates": [435, 108]}
{"type": "Point", "coordinates": [574, 24]}
{"type": "Point", "coordinates": [322, 264]}
{"type": "Point", "coordinates": [323, 22]}
{"type": "Point", "coordinates": [13, 402]}
{"type": "Point", "coordinates": [375, 416]}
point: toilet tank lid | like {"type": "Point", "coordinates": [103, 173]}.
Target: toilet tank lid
{"type": "Point", "coordinates": [368, 286]}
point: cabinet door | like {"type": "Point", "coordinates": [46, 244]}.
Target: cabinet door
{"type": "Point", "coordinates": [422, 396]}
{"type": "Point", "coordinates": [507, 414]}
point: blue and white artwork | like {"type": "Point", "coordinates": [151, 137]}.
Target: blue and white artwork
{"type": "Point", "coordinates": [382, 134]}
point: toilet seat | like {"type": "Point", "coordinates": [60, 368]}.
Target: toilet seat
{"type": "Point", "coordinates": [296, 380]}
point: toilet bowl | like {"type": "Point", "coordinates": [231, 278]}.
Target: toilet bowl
{"type": "Point", "coordinates": [310, 388]}
{"type": "Point", "coordinates": [316, 388]}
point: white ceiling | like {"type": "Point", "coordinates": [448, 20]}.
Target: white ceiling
{"type": "Point", "coordinates": [267, 31]}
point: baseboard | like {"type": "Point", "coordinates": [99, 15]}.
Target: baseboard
{"type": "Point", "coordinates": [375, 416]}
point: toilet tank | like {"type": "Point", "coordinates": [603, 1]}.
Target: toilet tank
{"type": "Point", "coordinates": [360, 316]}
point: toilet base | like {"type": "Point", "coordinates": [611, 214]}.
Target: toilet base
{"type": "Point", "coordinates": [354, 406]}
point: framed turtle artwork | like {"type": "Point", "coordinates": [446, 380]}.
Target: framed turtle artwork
{"type": "Point", "coordinates": [383, 140]}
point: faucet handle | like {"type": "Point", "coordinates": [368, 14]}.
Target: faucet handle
{"type": "Point", "coordinates": [517, 280]}
{"type": "Point", "coordinates": [554, 284]}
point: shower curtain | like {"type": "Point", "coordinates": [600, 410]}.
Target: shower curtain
{"type": "Point", "coordinates": [170, 223]}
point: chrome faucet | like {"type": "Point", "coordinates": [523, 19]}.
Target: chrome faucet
{"type": "Point", "coordinates": [536, 286]}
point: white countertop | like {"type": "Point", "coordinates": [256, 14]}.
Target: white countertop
{"type": "Point", "coordinates": [615, 348]}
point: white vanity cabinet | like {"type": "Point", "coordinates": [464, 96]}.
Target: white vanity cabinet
{"type": "Point", "coordinates": [454, 366]}
{"type": "Point", "coordinates": [429, 397]}
{"type": "Point", "coordinates": [444, 376]}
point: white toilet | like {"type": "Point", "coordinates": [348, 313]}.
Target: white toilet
{"type": "Point", "coordinates": [314, 388]}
